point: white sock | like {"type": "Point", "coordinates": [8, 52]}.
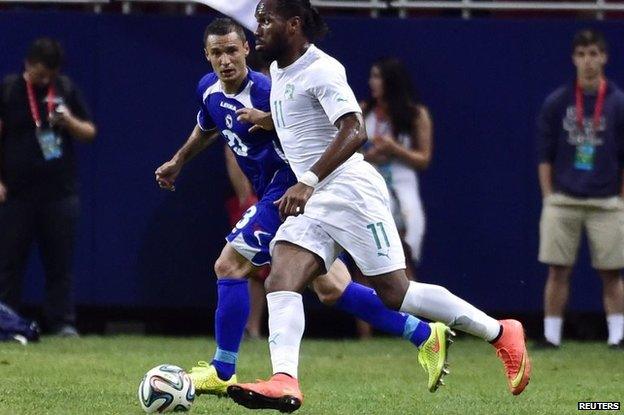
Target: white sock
{"type": "Point", "coordinates": [439, 304]}
{"type": "Point", "coordinates": [286, 325]}
{"type": "Point", "coordinates": [615, 323]}
{"type": "Point", "coordinates": [552, 329]}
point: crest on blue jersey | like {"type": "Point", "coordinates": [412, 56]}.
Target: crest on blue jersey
{"type": "Point", "coordinates": [228, 121]}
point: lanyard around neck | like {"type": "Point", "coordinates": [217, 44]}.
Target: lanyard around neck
{"type": "Point", "coordinates": [32, 101]}
{"type": "Point", "coordinates": [600, 99]}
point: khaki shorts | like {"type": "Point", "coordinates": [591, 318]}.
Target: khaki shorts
{"type": "Point", "coordinates": [563, 220]}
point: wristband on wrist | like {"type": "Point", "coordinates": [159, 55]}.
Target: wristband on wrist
{"type": "Point", "coordinates": [309, 179]}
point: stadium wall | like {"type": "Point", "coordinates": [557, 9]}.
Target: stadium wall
{"type": "Point", "coordinates": [484, 81]}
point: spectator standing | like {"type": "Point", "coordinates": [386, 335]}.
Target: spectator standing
{"type": "Point", "coordinates": [41, 113]}
{"type": "Point", "coordinates": [402, 144]}
{"type": "Point", "coordinates": [401, 133]}
{"type": "Point", "coordinates": [581, 162]}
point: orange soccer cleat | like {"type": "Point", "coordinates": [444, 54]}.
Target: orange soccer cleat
{"type": "Point", "coordinates": [511, 349]}
{"type": "Point", "coordinates": [281, 392]}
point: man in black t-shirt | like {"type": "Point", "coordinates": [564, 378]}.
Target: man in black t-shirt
{"type": "Point", "coordinates": [41, 113]}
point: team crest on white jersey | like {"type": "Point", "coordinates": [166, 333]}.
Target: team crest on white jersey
{"type": "Point", "coordinates": [289, 91]}
{"type": "Point", "coordinates": [228, 121]}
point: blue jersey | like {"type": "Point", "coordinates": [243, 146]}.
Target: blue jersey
{"type": "Point", "coordinates": [258, 154]}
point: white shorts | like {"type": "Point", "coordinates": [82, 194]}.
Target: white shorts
{"type": "Point", "coordinates": [350, 212]}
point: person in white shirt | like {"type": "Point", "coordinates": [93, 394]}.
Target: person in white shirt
{"type": "Point", "coordinates": [401, 132]}
{"type": "Point", "coordinates": [340, 203]}
{"type": "Point", "coordinates": [400, 146]}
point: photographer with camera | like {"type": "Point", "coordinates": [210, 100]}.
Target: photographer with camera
{"type": "Point", "coordinates": [41, 113]}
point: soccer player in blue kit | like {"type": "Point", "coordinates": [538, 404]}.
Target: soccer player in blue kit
{"type": "Point", "coordinates": [232, 101]}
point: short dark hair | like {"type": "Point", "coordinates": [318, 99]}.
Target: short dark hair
{"type": "Point", "coordinates": [46, 51]}
{"type": "Point", "coordinates": [588, 37]}
{"type": "Point", "coordinates": [223, 26]}
{"type": "Point", "coordinates": [314, 27]}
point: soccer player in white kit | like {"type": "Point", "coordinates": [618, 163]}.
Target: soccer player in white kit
{"type": "Point", "coordinates": [340, 202]}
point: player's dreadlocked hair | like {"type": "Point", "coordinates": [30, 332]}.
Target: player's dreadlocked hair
{"type": "Point", "coordinates": [223, 26]}
{"type": "Point", "coordinates": [313, 25]}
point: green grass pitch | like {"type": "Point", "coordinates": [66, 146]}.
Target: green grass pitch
{"type": "Point", "coordinates": [100, 375]}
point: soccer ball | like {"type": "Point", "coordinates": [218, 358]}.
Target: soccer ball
{"type": "Point", "coordinates": [166, 388]}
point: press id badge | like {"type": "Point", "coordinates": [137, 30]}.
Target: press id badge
{"type": "Point", "coordinates": [50, 143]}
{"type": "Point", "coordinates": [585, 155]}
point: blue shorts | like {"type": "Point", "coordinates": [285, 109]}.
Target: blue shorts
{"type": "Point", "coordinates": [253, 234]}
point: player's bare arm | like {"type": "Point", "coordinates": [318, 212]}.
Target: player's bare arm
{"type": "Point", "coordinates": [240, 183]}
{"type": "Point", "coordinates": [350, 137]}
{"type": "Point", "coordinates": [197, 141]}
{"type": "Point", "coordinates": [375, 156]}
{"type": "Point", "coordinates": [259, 119]}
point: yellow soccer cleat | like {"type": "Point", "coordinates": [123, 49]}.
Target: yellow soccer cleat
{"type": "Point", "coordinates": [433, 352]}
{"type": "Point", "coordinates": [206, 381]}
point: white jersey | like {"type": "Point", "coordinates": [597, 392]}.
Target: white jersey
{"type": "Point", "coordinates": [349, 208]}
{"type": "Point", "coordinates": [307, 98]}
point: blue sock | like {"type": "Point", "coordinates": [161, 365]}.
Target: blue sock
{"type": "Point", "coordinates": [230, 320]}
{"type": "Point", "coordinates": [363, 303]}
